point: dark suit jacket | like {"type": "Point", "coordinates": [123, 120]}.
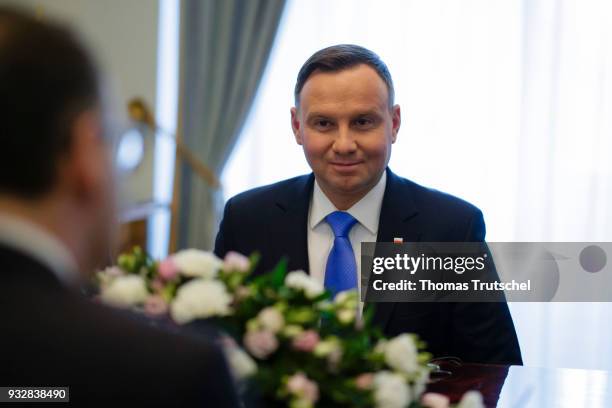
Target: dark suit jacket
{"type": "Point", "coordinates": [51, 336]}
{"type": "Point", "coordinates": [273, 220]}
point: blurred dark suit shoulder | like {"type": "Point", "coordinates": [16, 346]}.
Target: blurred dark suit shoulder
{"type": "Point", "coordinates": [52, 336]}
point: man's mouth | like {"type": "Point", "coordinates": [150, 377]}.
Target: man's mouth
{"type": "Point", "coordinates": [345, 167]}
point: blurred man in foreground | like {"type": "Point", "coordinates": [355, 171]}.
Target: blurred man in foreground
{"type": "Point", "coordinates": [56, 218]}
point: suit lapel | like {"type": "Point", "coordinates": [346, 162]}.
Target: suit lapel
{"type": "Point", "coordinates": [398, 219]}
{"type": "Point", "coordinates": [398, 212]}
{"type": "Point", "coordinates": [290, 232]}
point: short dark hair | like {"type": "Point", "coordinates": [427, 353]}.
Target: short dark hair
{"type": "Point", "coordinates": [47, 78]}
{"type": "Point", "coordinates": [340, 57]}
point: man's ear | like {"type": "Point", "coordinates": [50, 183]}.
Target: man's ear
{"type": "Point", "coordinates": [295, 125]}
{"type": "Point", "coordinates": [87, 155]}
{"type": "Point", "coordinates": [396, 117]}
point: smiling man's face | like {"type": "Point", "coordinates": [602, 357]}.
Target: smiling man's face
{"type": "Point", "coordinates": [346, 128]}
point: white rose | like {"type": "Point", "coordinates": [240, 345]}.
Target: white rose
{"type": "Point", "coordinates": [241, 364]}
{"type": "Point", "coordinates": [390, 390]}
{"type": "Point", "coordinates": [125, 291]}
{"type": "Point", "coordinates": [196, 263]}
{"type": "Point", "coordinates": [299, 280]}
{"type": "Point", "coordinates": [271, 318]}
{"type": "Point", "coordinates": [199, 299]}
{"type": "Point", "coordinates": [401, 354]}
{"type": "Point", "coordinates": [471, 399]}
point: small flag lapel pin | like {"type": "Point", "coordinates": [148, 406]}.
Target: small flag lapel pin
{"type": "Point", "coordinates": [398, 240]}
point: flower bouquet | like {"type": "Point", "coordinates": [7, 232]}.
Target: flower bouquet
{"type": "Point", "coordinates": [285, 337]}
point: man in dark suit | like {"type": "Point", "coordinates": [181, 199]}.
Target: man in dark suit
{"type": "Point", "coordinates": [56, 218]}
{"type": "Point", "coordinates": [346, 121]}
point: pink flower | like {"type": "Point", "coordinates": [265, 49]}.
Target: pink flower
{"type": "Point", "coordinates": [261, 343]}
{"type": "Point", "coordinates": [364, 381]}
{"type": "Point", "coordinates": [306, 341]}
{"type": "Point", "coordinates": [168, 269]}
{"type": "Point", "coordinates": [155, 305]}
{"type": "Point", "coordinates": [435, 400]}
{"type": "Point", "coordinates": [303, 388]}
{"type": "Point", "coordinates": [234, 261]}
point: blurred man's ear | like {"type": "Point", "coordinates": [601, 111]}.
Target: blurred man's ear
{"type": "Point", "coordinates": [87, 157]}
{"type": "Point", "coordinates": [295, 125]}
{"type": "Point", "coordinates": [396, 118]}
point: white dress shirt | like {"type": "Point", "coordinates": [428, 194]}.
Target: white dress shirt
{"type": "Point", "coordinates": [33, 241]}
{"type": "Point", "coordinates": [321, 237]}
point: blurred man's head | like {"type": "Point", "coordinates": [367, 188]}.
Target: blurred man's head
{"type": "Point", "coordinates": [346, 120]}
{"type": "Point", "coordinates": [54, 162]}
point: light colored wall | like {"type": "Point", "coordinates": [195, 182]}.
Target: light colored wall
{"type": "Point", "coordinates": [123, 35]}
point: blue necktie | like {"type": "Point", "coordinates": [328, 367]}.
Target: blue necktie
{"type": "Point", "coordinates": [341, 269]}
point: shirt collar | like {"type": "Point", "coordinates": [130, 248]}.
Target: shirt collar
{"type": "Point", "coordinates": [366, 211]}
{"type": "Point", "coordinates": [32, 240]}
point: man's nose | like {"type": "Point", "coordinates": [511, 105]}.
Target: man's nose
{"type": "Point", "coordinates": [344, 143]}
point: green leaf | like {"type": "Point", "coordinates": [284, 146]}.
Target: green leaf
{"type": "Point", "coordinates": [278, 273]}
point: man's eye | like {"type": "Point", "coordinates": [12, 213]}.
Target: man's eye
{"type": "Point", "coordinates": [323, 123]}
{"type": "Point", "coordinates": [364, 122]}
